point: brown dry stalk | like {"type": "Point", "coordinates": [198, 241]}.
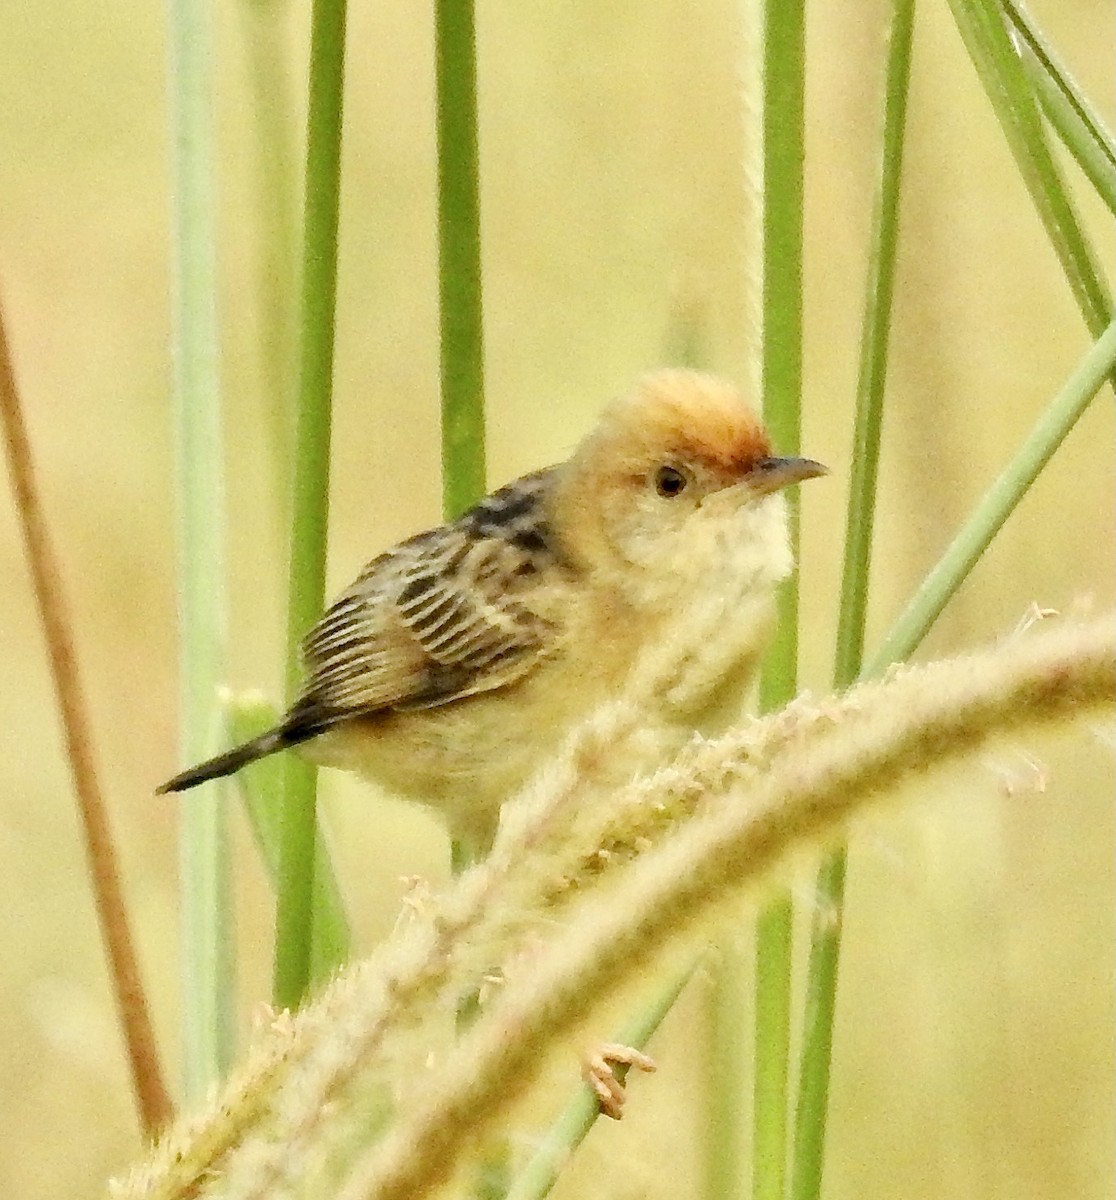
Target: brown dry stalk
{"type": "Point", "coordinates": [153, 1102]}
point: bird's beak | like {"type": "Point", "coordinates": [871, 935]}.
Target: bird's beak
{"type": "Point", "coordinates": [770, 474]}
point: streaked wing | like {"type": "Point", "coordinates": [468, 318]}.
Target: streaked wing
{"type": "Point", "coordinates": [444, 616]}
{"type": "Point", "coordinates": [473, 632]}
{"type": "Point", "coordinates": [355, 659]}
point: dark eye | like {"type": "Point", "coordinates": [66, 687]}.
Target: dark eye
{"type": "Point", "coordinates": [669, 481]}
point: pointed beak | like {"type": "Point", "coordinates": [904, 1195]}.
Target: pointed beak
{"type": "Point", "coordinates": [771, 474]}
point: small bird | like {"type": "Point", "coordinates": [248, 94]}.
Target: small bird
{"type": "Point", "coordinates": [457, 661]}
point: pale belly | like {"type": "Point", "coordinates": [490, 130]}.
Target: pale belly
{"type": "Point", "coordinates": [465, 758]}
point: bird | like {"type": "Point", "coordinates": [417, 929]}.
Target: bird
{"type": "Point", "coordinates": [456, 661]}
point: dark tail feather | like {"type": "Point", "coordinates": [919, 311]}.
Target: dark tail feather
{"type": "Point", "coordinates": [231, 761]}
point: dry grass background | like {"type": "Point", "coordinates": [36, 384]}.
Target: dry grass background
{"type": "Point", "coordinates": [975, 1039]}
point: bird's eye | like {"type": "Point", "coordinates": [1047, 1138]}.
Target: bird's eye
{"type": "Point", "coordinates": [669, 482]}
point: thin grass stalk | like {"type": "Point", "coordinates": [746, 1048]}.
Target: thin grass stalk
{"type": "Point", "coordinates": [784, 75]}
{"type": "Point", "coordinates": [207, 934]}
{"type": "Point", "coordinates": [459, 257]}
{"type": "Point", "coordinates": [825, 938]}
{"type": "Point", "coordinates": [277, 247]}
{"type": "Point", "coordinates": [259, 785]}
{"type": "Point", "coordinates": [770, 1054]}
{"type": "Point", "coordinates": [1000, 70]}
{"type": "Point", "coordinates": [152, 1100]}
{"type": "Point", "coordinates": [1077, 121]}
{"type": "Point", "coordinates": [294, 909]}
{"type": "Point", "coordinates": [461, 342]}
{"type": "Point", "coordinates": [461, 308]}
{"type": "Point", "coordinates": [874, 345]}
{"type": "Point", "coordinates": [997, 504]}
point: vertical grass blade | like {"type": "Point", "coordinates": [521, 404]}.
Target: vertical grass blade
{"type": "Point", "coordinates": [874, 342]}
{"type": "Point", "coordinates": [260, 784]}
{"type": "Point", "coordinates": [208, 962]}
{"type": "Point", "coordinates": [461, 308]}
{"type": "Point", "coordinates": [825, 939]}
{"type": "Point", "coordinates": [771, 1052]}
{"type": "Point", "coordinates": [459, 257]}
{"type": "Point", "coordinates": [310, 515]}
{"type": "Point", "coordinates": [461, 339]}
{"type": "Point", "coordinates": [274, 183]}
{"type": "Point", "coordinates": [784, 75]}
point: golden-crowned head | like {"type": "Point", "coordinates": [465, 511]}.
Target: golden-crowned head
{"type": "Point", "coordinates": [679, 468]}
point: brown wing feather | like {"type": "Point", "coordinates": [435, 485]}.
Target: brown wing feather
{"type": "Point", "coordinates": [442, 617]}
{"type": "Point", "coordinates": [474, 633]}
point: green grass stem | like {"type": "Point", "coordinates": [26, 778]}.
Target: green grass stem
{"type": "Point", "coordinates": [825, 939]}
{"type": "Point", "coordinates": [459, 257]}
{"type": "Point", "coordinates": [1065, 120]}
{"type": "Point", "coordinates": [207, 936]}
{"type": "Point", "coordinates": [260, 784]}
{"type": "Point", "coordinates": [818, 1013]}
{"type": "Point", "coordinates": [276, 203]}
{"type": "Point", "coordinates": [461, 308]}
{"type": "Point", "coordinates": [784, 73]}
{"type": "Point", "coordinates": [771, 1050]}
{"type": "Point", "coordinates": [874, 342]}
{"type": "Point", "coordinates": [783, 126]}
{"type": "Point", "coordinates": [294, 909]}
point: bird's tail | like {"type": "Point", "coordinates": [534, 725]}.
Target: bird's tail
{"type": "Point", "coordinates": [279, 738]}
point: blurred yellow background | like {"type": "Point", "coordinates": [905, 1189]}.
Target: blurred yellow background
{"type": "Point", "coordinates": [974, 1051]}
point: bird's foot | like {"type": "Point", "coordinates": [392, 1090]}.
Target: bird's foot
{"type": "Point", "coordinates": [599, 1070]}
